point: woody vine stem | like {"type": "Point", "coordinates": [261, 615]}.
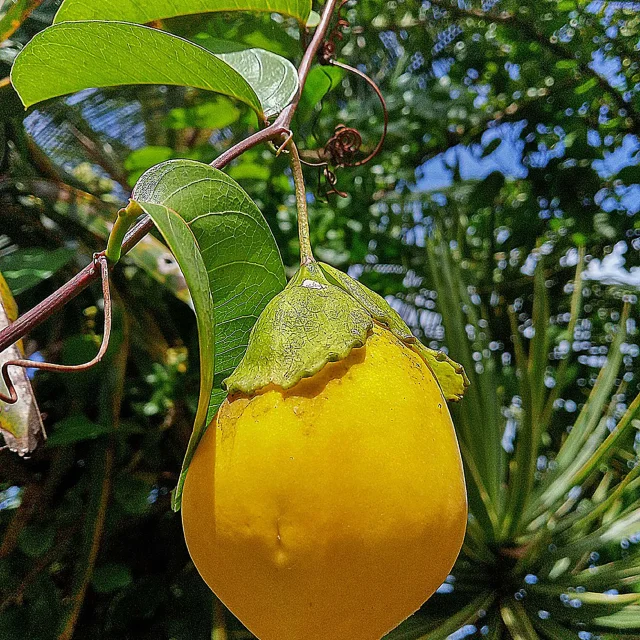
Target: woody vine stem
{"type": "Point", "coordinates": [278, 130]}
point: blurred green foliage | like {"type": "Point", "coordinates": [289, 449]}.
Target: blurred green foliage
{"type": "Point", "coordinates": [512, 160]}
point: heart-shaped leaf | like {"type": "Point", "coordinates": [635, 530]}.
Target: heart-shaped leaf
{"type": "Point", "coordinates": [184, 247]}
{"type": "Point", "coordinates": [238, 249]}
{"type": "Point", "coordinates": [149, 10]}
{"type": "Point", "coordinates": [73, 56]}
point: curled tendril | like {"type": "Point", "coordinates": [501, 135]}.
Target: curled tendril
{"type": "Point", "coordinates": [327, 50]}
{"type": "Point", "coordinates": [341, 149]}
{"type": "Point", "coordinates": [331, 180]}
{"type": "Point", "coordinates": [343, 145]}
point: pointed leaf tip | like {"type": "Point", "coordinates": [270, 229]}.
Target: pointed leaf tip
{"type": "Point", "coordinates": [44, 69]}
{"type": "Point", "coordinates": [450, 375]}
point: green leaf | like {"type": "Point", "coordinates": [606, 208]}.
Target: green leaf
{"type": "Point", "coordinates": [628, 618]}
{"type": "Point", "coordinates": [517, 621]}
{"type": "Point", "coordinates": [146, 157]}
{"type": "Point", "coordinates": [70, 57]}
{"type": "Point", "coordinates": [246, 169]}
{"type": "Point", "coordinates": [320, 81]}
{"type": "Point", "coordinates": [240, 253]}
{"type": "Point", "coordinates": [213, 114]}
{"type": "Point", "coordinates": [468, 614]}
{"type": "Point", "coordinates": [586, 86]}
{"type": "Point", "coordinates": [149, 10]}
{"type": "Point", "coordinates": [26, 268]}
{"type": "Point", "coordinates": [380, 310]}
{"type": "Point", "coordinates": [138, 161]}
{"type": "Point", "coordinates": [273, 78]}
{"type": "Point", "coordinates": [566, 64]}
{"type": "Point", "coordinates": [450, 375]}
{"type": "Point", "coordinates": [313, 20]}
{"type": "Point", "coordinates": [237, 247]}
{"type": "Point", "coordinates": [36, 540]}
{"type": "Point", "coordinates": [580, 452]}
{"type": "Point", "coordinates": [187, 252]}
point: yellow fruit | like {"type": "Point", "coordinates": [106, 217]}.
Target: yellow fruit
{"type": "Point", "coordinates": [332, 510]}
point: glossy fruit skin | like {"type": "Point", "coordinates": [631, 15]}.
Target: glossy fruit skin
{"type": "Point", "coordinates": [332, 510]}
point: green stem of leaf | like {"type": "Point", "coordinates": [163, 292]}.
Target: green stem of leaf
{"type": "Point", "coordinates": [306, 254]}
{"type": "Point", "coordinates": [126, 217]}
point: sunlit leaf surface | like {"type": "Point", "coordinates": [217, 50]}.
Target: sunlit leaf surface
{"type": "Point", "coordinates": [184, 247]}
{"type": "Point", "coordinates": [43, 69]}
{"type": "Point", "coordinates": [272, 77]}
{"type": "Point", "coordinates": [141, 12]}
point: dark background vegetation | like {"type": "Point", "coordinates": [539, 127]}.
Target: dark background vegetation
{"type": "Point", "coordinates": [513, 142]}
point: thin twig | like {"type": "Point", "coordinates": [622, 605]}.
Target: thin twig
{"type": "Point", "coordinates": [102, 476]}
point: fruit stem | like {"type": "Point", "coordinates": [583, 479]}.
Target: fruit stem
{"type": "Point", "coordinates": [306, 254]}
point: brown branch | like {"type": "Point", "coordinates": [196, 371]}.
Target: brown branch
{"type": "Point", "coordinates": [279, 128]}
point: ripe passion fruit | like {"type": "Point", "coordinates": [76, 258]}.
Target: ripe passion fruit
{"type": "Point", "coordinates": [334, 508]}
